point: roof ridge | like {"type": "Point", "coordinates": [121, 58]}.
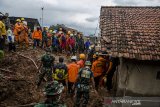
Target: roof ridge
{"type": "Point", "coordinates": [130, 6]}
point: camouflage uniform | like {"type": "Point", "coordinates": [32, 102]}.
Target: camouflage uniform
{"type": "Point", "coordinates": [85, 75]}
{"type": "Point", "coordinates": [47, 61]}
{"type": "Point", "coordinates": [53, 91]}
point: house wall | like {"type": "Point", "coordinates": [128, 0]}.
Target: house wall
{"type": "Point", "coordinates": [138, 78]}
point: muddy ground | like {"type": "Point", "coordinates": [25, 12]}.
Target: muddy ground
{"type": "Point", "coordinates": [18, 75]}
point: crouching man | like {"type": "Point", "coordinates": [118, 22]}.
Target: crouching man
{"type": "Point", "coordinates": [53, 92]}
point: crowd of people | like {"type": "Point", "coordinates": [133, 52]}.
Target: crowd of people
{"type": "Point", "coordinates": [59, 40]}
{"type": "Point", "coordinates": [74, 78]}
{"type": "Point", "coordinates": [77, 75]}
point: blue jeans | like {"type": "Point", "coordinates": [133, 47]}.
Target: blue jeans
{"type": "Point", "coordinates": [36, 43]}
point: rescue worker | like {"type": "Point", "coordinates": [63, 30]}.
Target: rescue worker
{"type": "Point", "coordinates": [81, 43]}
{"type": "Point", "coordinates": [60, 31]}
{"type": "Point", "coordinates": [44, 38]}
{"type": "Point", "coordinates": [82, 85]}
{"type": "Point", "coordinates": [55, 42]}
{"type": "Point", "coordinates": [97, 68]}
{"type": "Point", "coordinates": [72, 74]}
{"type": "Point", "coordinates": [67, 38]}
{"type": "Point", "coordinates": [3, 33]}
{"type": "Point", "coordinates": [81, 61]}
{"type": "Point", "coordinates": [91, 54]}
{"type": "Point", "coordinates": [10, 39]}
{"type": "Point", "coordinates": [37, 37]}
{"type": "Point", "coordinates": [17, 30]}
{"type": "Point", "coordinates": [71, 43]}
{"type": "Point", "coordinates": [47, 63]}
{"type": "Point", "coordinates": [49, 35]}
{"type": "Point", "coordinates": [114, 62]}
{"type": "Point", "coordinates": [53, 91]}
{"type": "Point", "coordinates": [60, 73]}
{"type": "Point", "coordinates": [23, 37]}
{"type": "Point", "coordinates": [63, 42]}
{"type": "Point", "coordinates": [87, 45]}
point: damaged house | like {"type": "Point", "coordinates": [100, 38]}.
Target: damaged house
{"type": "Point", "coordinates": [133, 35]}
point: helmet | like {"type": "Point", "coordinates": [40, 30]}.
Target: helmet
{"type": "Point", "coordinates": [53, 88]}
{"type": "Point", "coordinates": [60, 29]}
{"type": "Point", "coordinates": [69, 32]}
{"type": "Point", "coordinates": [88, 63]}
{"type": "Point", "coordinates": [50, 31]}
{"type": "Point", "coordinates": [18, 20]}
{"type": "Point", "coordinates": [22, 19]}
{"type": "Point", "coordinates": [54, 31]}
{"type": "Point", "coordinates": [94, 56]}
{"type": "Point", "coordinates": [82, 56]}
{"type": "Point", "coordinates": [74, 58]}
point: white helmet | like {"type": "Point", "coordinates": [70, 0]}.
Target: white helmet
{"type": "Point", "coordinates": [74, 58]}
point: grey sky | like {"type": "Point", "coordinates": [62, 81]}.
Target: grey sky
{"type": "Point", "coordinates": [80, 14]}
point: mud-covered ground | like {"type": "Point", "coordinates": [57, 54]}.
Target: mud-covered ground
{"type": "Point", "coordinates": [18, 77]}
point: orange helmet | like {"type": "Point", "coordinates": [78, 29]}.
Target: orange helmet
{"type": "Point", "coordinates": [82, 56]}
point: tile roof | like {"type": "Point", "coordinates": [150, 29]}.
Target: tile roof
{"type": "Point", "coordinates": [131, 32]}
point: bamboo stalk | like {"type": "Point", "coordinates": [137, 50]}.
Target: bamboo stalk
{"type": "Point", "coordinates": [29, 59]}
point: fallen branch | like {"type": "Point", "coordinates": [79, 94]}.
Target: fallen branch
{"type": "Point", "coordinates": [29, 59]}
{"type": "Point", "coordinates": [1, 69]}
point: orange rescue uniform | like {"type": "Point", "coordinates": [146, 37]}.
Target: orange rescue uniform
{"type": "Point", "coordinates": [37, 35]}
{"type": "Point", "coordinates": [17, 30]}
{"type": "Point", "coordinates": [72, 72]}
{"type": "Point", "coordinates": [24, 35]}
{"type": "Point", "coordinates": [98, 67]}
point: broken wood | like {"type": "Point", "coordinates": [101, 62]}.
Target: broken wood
{"type": "Point", "coordinates": [5, 70]}
{"type": "Point", "coordinates": [29, 59]}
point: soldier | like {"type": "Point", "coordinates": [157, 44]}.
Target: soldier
{"type": "Point", "coordinates": [82, 85]}
{"type": "Point", "coordinates": [53, 92]}
{"type": "Point", "coordinates": [47, 62]}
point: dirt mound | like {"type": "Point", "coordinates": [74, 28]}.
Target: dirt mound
{"type": "Point", "coordinates": [18, 76]}
{"type": "Point", "coordinates": [18, 85]}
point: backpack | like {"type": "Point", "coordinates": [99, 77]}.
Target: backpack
{"type": "Point", "coordinates": [60, 73]}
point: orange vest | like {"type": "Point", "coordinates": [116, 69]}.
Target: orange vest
{"type": "Point", "coordinates": [97, 68]}
{"type": "Point", "coordinates": [37, 35]}
{"type": "Point", "coordinates": [72, 72]}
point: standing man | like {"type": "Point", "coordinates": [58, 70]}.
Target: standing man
{"type": "Point", "coordinates": [37, 37]}
{"type": "Point", "coordinates": [44, 38]}
{"type": "Point", "coordinates": [60, 73]}
{"type": "Point", "coordinates": [47, 62]}
{"type": "Point", "coordinates": [23, 37]}
{"type": "Point", "coordinates": [87, 45]}
{"type": "Point", "coordinates": [72, 73]}
{"type": "Point", "coordinates": [3, 33]}
{"type": "Point", "coordinates": [97, 68]}
{"type": "Point", "coordinates": [71, 43]}
{"type": "Point", "coordinates": [82, 85]}
{"type": "Point", "coordinates": [17, 30]}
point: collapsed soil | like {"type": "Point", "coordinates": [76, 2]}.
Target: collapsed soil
{"type": "Point", "coordinates": [18, 87]}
